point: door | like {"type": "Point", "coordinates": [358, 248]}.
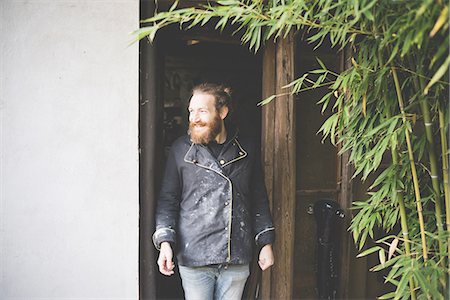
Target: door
{"type": "Point", "coordinates": [316, 169]}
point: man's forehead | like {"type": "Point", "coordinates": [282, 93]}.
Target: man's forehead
{"type": "Point", "coordinates": [202, 100]}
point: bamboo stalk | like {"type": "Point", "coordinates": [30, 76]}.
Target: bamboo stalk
{"type": "Point", "coordinates": [434, 169]}
{"type": "Point", "coordinates": [413, 166]}
{"type": "Point", "coordinates": [399, 194]}
{"type": "Point", "coordinates": [403, 221]}
{"type": "Point", "coordinates": [399, 197]}
{"type": "Point", "coordinates": [402, 209]}
{"type": "Point", "coordinates": [444, 149]}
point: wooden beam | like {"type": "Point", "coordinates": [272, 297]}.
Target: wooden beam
{"type": "Point", "coordinates": [150, 112]}
{"type": "Point", "coordinates": [267, 138]}
{"type": "Point", "coordinates": [147, 165]}
{"type": "Point", "coordinates": [345, 199]}
{"type": "Point", "coordinates": [280, 165]}
{"type": "Point", "coordinates": [284, 172]}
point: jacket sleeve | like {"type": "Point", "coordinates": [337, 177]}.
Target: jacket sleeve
{"type": "Point", "coordinates": [167, 208]}
{"type": "Point", "coordinates": [263, 225]}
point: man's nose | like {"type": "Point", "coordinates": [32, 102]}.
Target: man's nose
{"type": "Point", "coordinates": [195, 117]}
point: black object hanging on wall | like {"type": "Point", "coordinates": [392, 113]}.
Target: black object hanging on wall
{"type": "Point", "coordinates": [329, 217]}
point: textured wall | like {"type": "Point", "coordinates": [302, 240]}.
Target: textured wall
{"type": "Point", "coordinates": [69, 157]}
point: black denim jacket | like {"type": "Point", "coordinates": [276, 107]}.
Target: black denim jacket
{"type": "Point", "coordinates": [213, 211]}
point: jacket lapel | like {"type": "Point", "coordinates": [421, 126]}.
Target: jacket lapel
{"type": "Point", "coordinates": [200, 155]}
{"type": "Point", "coordinates": [232, 153]}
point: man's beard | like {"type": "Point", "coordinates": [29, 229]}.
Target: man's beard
{"type": "Point", "coordinates": [207, 132]}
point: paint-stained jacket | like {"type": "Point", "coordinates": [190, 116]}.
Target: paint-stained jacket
{"type": "Point", "coordinates": [213, 211]}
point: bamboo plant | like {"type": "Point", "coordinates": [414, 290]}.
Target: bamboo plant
{"type": "Point", "coordinates": [390, 109]}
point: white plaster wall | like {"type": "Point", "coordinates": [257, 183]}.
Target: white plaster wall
{"type": "Point", "coordinates": [69, 149]}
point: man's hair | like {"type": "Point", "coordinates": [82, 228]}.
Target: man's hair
{"type": "Point", "coordinates": [221, 94]}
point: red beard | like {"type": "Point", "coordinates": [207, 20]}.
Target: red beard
{"type": "Point", "coordinates": [203, 133]}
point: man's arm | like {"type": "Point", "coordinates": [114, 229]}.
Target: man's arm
{"type": "Point", "coordinates": [166, 216]}
{"type": "Point", "coordinates": [263, 226]}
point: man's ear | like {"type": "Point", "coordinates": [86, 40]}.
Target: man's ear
{"type": "Point", "coordinates": [223, 112]}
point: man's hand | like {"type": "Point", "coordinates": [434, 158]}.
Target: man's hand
{"type": "Point", "coordinates": [165, 261]}
{"type": "Point", "coordinates": [266, 258]}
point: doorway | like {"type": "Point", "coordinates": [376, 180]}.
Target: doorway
{"type": "Point", "coordinates": [186, 59]}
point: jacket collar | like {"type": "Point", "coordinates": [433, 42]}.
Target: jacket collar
{"type": "Point", "coordinates": [199, 155]}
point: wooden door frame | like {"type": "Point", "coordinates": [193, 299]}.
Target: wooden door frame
{"type": "Point", "coordinates": [150, 152]}
{"type": "Point", "coordinates": [279, 161]}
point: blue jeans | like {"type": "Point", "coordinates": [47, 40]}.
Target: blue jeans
{"type": "Point", "coordinates": [219, 282]}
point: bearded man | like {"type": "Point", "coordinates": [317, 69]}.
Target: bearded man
{"type": "Point", "coordinates": [212, 209]}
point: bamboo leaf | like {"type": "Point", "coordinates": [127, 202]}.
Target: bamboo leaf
{"type": "Point", "coordinates": [228, 2]}
{"type": "Point", "coordinates": [143, 32]}
{"type": "Point", "coordinates": [174, 5]}
{"type": "Point", "coordinates": [423, 283]}
{"type": "Point", "coordinates": [403, 283]}
{"type": "Point", "coordinates": [321, 64]}
{"type": "Point", "coordinates": [387, 264]}
{"type": "Point", "coordinates": [387, 296]}
{"type": "Point", "coordinates": [363, 239]}
{"type": "Point", "coordinates": [441, 51]}
{"type": "Point", "coordinates": [386, 238]}
{"type": "Point", "coordinates": [443, 18]}
{"type": "Point", "coordinates": [369, 251]}
{"type": "Point", "coordinates": [364, 105]}
{"type": "Point", "coordinates": [382, 256]}
{"type": "Point", "coordinates": [393, 53]}
{"type": "Point", "coordinates": [438, 75]}
{"type": "Point", "coordinates": [393, 247]}
{"type": "Point", "coordinates": [386, 173]}
{"type": "Point", "coordinates": [205, 20]}
{"type": "Point", "coordinates": [267, 100]}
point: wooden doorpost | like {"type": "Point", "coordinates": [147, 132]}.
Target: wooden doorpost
{"type": "Point", "coordinates": [149, 119]}
{"type": "Point", "coordinates": [345, 199]}
{"type": "Point", "coordinates": [267, 138]}
{"type": "Point", "coordinates": [278, 140]}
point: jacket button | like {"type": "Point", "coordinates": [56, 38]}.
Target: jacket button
{"type": "Point", "coordinates": [222, 161]}
{"type": "Point", "coordinates": [241, 153]}
{"type": "Point", "coordinates": [226, 203]}
{"type": "Point", "coordinates": [226, 228]}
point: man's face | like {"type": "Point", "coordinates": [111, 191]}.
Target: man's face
{"type": "Point", "coordinates": [205, 123]}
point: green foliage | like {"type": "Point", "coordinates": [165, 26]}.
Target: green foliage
{"type": "Point", "coordinates": [399, 61]}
